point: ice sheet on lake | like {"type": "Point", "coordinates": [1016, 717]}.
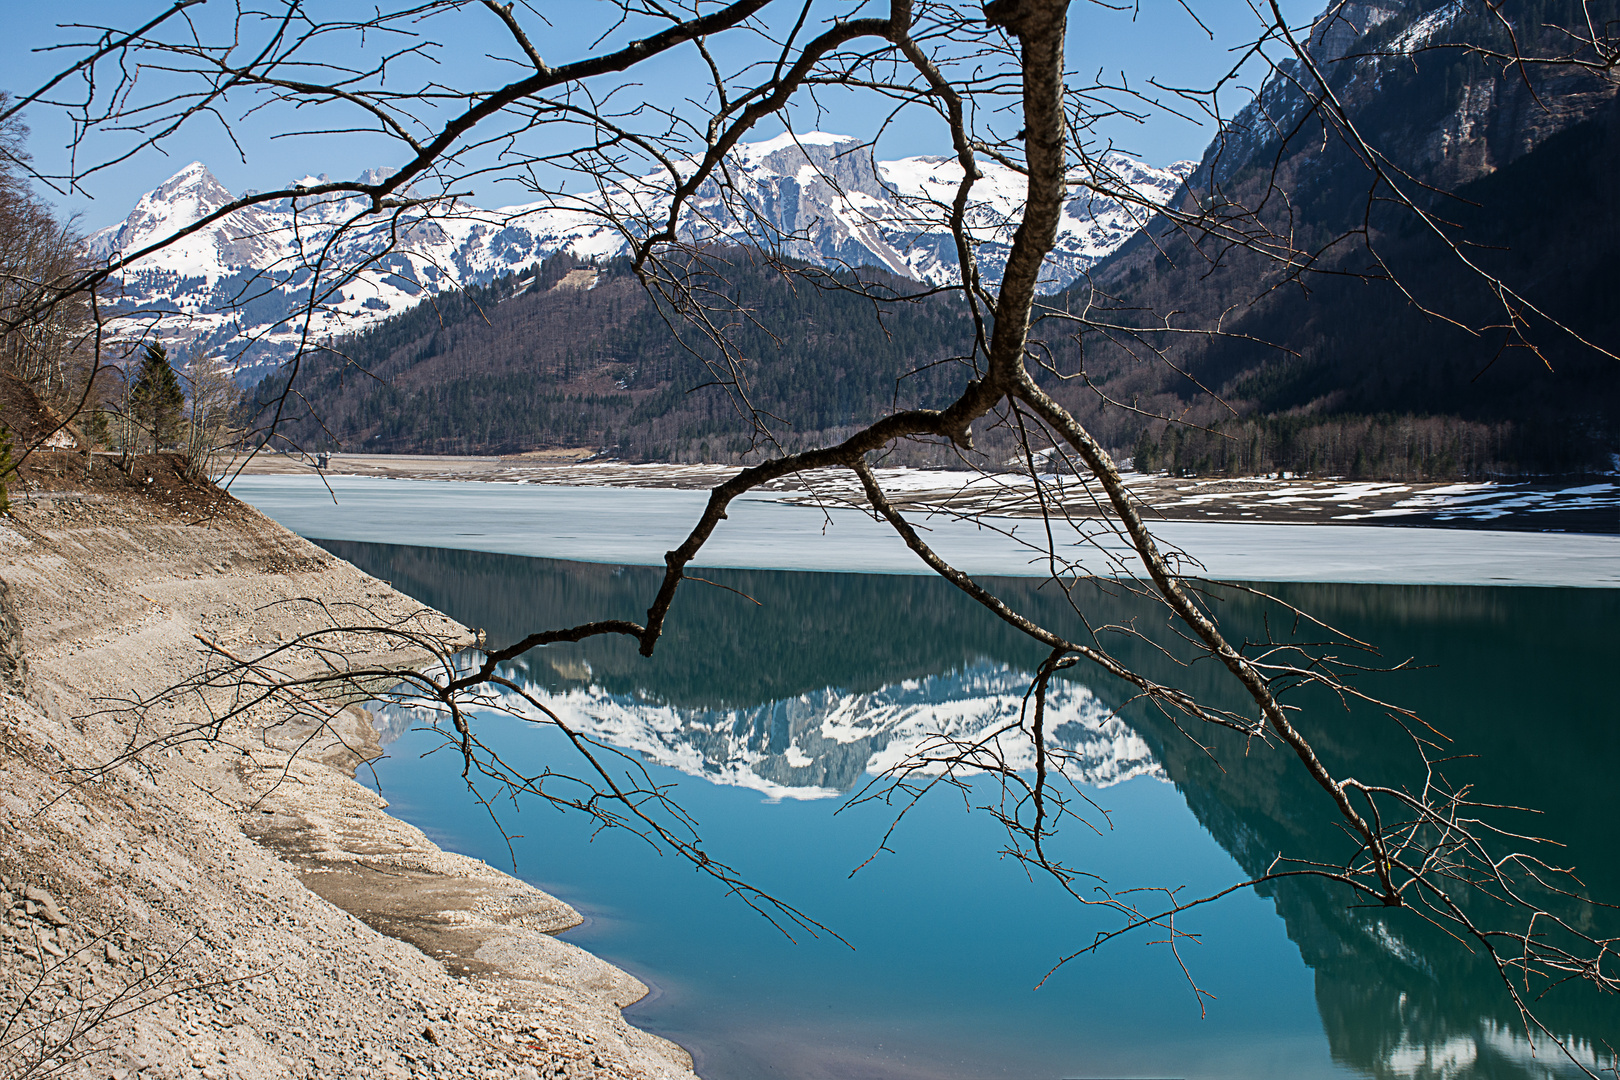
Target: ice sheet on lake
{"type": "Point", "coordinates": [637, 526]}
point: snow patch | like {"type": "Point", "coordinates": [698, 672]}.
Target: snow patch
{"type": "Point", "coordinates": [1418, 35]}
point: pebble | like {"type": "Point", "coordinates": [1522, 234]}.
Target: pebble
{"type": "Point", "coordinates": [43, 903]}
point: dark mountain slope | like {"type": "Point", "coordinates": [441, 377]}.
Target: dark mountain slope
{"type": "Point", "coordinates": [1547, 224]}
{"type": "Point", "coordinates": [581, 356]}
{"type": "Point", "coordinates": [1338, 371]}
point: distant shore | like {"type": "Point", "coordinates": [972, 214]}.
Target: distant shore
{"type": "Point", "coordinates": [1586, 505]}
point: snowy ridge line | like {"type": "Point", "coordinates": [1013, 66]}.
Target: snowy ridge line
{"type": "Point", "coordinates": [232, 290]}
{"type": "Point", "coordinates": [1418, 35]}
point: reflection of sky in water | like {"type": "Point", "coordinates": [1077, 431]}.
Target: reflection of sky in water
{"type": "Point", "coordinates": [950, 937]}
{"type": "Point", "coordinates": [949, 940]}
{"type": "Point", "coordinates": [822, 743]}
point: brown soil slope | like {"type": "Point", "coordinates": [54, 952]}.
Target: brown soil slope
{"type": "Point", "coordinates": [225, 907]}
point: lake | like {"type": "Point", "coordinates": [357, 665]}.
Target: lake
{"type": "Point", "coordinates": [774, 695]}
{"type": "Point", "coordinates": [763, 714]}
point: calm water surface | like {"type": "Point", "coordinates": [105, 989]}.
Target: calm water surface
{"type": "Point", "coordinates": [764, 714]}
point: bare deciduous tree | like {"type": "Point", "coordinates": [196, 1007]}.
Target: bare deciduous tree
{"type": "Point", "coordinates": [581, 135]}
{"type": "Point", "coordinates": [212, 400]}
{"type": "Point", "coordinates": [46, 321]}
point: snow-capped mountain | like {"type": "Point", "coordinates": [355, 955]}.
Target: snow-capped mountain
{"type": "Point", "coordinates": [240, 288]}
{"type": "Point", "coordinates": [1390, 64]}
{"type": "Point", "coordinates": [821, 744]}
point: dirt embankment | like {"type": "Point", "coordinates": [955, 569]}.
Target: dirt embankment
{"type": "Point", "coordinates": [232, 903]}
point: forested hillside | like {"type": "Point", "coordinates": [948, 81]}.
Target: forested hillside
{"type": "Point", "coordinates": [573, 355]}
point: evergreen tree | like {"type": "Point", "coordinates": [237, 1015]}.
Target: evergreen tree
{"type": "Point", "coordinates": [1146, 458]}
{"type": "Point", "coordinates": [8, 465]}
{"type": "Point", "coordinates": [97, 432]}
{"type": "Point", "coordinates": [156, 399]}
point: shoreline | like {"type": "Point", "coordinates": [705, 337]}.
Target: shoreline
{"type": "Point", "coordinates": [255, 909]}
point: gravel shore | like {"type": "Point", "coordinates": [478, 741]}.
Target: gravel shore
{"type": "Point", "coordinates": [230, 902]}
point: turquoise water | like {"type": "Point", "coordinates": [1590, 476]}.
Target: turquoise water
{"type": "Point", "coordinates": [762, 715]}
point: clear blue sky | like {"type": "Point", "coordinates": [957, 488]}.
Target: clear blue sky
{"type": "Point", "coordinates": [1158, 40]}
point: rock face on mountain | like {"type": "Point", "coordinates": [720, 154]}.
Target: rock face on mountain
{"type": "Point", "coordinates": [1415, 77]}
{"type": "Point", "coordinates": [1339, 330]}
{"type": "Point", "coordinates": [235, 287]}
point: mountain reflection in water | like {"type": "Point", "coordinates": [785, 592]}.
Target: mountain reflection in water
{"type": "Point", "coordinates": [831, 676]}
{"type": "Point", "coordinates": [821, 743]}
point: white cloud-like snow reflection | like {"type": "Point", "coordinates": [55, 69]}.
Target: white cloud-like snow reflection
{"type": "Point", "coordinates": [823, 743]}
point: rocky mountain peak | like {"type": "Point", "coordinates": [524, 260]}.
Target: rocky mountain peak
{"type": "Point", "coordinates": [1335, 32]}
{"type": "Point", "coordinates": [183, 199]}
{"type": "Point", "coordinates": [816, 196]}
{"type": "Point", "coordinates": [192, 182]}
{"type": "Point", "coordinates": [1401, 70]}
